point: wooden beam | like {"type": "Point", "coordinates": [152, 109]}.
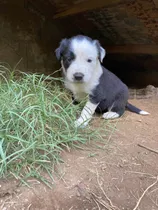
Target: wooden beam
{"type": "Point", "coordinates": [132, 49]}
{"type": "Point", "coordinates": [156, 3]}
{"type": "Point", "coordinates": [86, 6]}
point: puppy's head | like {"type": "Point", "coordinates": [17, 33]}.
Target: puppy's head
{"type": "Point", "coordinates": [80, 57]}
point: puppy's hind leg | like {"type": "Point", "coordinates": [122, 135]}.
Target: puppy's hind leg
{"type": "Point", "coordinates": [115, 111]}
{"type": "Point", "coordinates": [118, 107]}
{"type": "Point", "coordinates": [110, 115]}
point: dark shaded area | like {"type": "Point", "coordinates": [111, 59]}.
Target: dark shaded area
{"type": "Point", "coordinates": [29, 33]}
{"type": "Point", "coordinates": [135, 70]}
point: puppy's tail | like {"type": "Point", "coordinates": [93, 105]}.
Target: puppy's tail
{"type": "Point", "coordinates": [133, 108]}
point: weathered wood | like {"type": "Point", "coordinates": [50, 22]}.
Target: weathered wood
{"type": "Point", "coordinates": [156, 3]}
{"type": "Point", "coordinates": [133, 49]}
{"type": "Point", "coordinates": [86, 6]}
{"type": "Point", "coordinates": [41, 8]}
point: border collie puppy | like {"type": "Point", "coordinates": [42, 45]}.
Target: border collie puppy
{"type": "Point", "coordinates": [81, 59]}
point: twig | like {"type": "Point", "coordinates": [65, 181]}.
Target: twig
{"type": "Point", "coordinates": [138, 202]}
{"type": "Point", "coordinates": [103, 189]}
{"type": "Point", "coordinates": [98, 201]}
{"type": "Point", "coordinates": [150, 149]}
{"type": "Point", "coordinates": [141, 173]}
{"type": "Point", "coordinates": [97, 204]}
{"type": "Point", "coordinates": [28, 208]}
{"type": "Point", "coordinates": [104, 204]}
{"type": "Point", "coordinates": [100, 185]}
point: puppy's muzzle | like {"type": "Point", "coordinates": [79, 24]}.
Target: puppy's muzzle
{"type": "Point", "coordinates": [78, 76]}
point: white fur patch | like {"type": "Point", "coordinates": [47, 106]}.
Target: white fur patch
{"type": "Point", "coordinates": [110, 115]}
{"type": "Point", "coordinates": [144, 113]}
{"type": "Point", "coordinates": [80, 90]}
{"type": "Point", "coordinates": [86, 114]}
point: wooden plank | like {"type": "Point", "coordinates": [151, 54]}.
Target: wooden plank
{"type": "Point", "coordinates": [156, 3]}
{"type": "Point", "coordinates": [132, 49]}
{"type": "Point", "coordinates": [86, 6]}
{"type": "Point", "coordinates": [40, 8]}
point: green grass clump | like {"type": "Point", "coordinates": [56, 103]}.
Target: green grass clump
{"type": "Point", "coordinates": [36, 123]}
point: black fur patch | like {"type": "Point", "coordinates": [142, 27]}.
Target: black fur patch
{"type": "Point", "coordinates": [110, 93]}
{"type": "Point", "coordinates": [68, 57]}
{"type": "Point", "coordinates": [64, 52]}
{"type": "Point", "coordinates": [64, 44]}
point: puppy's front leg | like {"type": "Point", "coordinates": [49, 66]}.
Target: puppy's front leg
{"type": "Point", "coordinates": [86, 114]}
{"type": "Point", "coordinates": [74, 101]}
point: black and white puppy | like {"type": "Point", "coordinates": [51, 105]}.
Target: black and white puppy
{"type": "Point", "coordinates": [81, 59]}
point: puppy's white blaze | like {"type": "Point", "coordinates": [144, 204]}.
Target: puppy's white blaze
{"type": "Point", "coordinates": [110, 115]}
{"type": "Point", "coordinates": [144, 113]}
{"type": "Point", "coordinates": [86, 114]}
{"type": "Point", "coordinates": [82, 48]}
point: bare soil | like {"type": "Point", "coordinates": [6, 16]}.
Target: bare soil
{"type": "Point", "coordinates": [112, 176]}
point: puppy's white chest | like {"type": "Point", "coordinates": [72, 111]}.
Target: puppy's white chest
{"type": "Point", "coordinates": [80, 91]}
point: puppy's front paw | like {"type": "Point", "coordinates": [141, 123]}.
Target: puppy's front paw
{"type": "Point", "coordinates": [80, 123]}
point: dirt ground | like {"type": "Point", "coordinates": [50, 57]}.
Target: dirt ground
{"type": "Point", "coordinates": [117, 176]}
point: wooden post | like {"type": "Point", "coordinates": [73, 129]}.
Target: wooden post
{"type": "Point", "coordinates": [132, 49]}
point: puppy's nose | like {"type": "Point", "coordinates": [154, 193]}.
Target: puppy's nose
{"type": "Point", "coordinates": [78, 76]}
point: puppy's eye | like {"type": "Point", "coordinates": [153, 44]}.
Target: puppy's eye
{"type": "Point", "coordinates": [89, 60]}
{"type": "Point", "coordinates": [69, 59]}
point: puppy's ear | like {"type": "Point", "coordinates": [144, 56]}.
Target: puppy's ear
{"type": "Point", "coordinates": [101, 50]}
{"type": "Point", "coordinates": [59, 51]}
{"type": "Point", "coordinates": [102, 53]}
